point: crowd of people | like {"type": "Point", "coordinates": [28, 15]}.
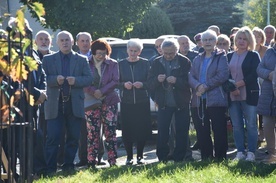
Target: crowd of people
{"type": "Point", "coordinates": [185, 83]}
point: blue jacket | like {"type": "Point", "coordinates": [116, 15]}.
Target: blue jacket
{"type": "Point", "coordinates": [217, 74]}
{"type": "Point", "coordinates": [267, 103]}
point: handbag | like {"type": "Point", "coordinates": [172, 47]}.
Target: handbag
{"type": "Point", "coordinates": [229, 85]}
{"type": "Point", "coordinates": [90, 102]}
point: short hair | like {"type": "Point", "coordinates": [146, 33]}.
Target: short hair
{"type": "Point", "coordinates": [100, 44]}
{"type": "Point", "coordinates": [260, 32]}
{"type": "Point", "coordinates": [183, 36]}
{"type": "Point", "coordinates": [197, 37]}
{"type": "Point", "coordinates": [170, 42]}
{"type": "Point", "coordinates": [83, 33]}
{"type": "Point", "coordinates": [215, 28]}
{"type": "Point", "coordinates": [209, 32]}
{"type": "Point", "coordinates": [234, 29]}
{"type": "Point", "coordinates": [249, 36]}
{"type": "Point", "coordinates": [43, 32]}
{"type": "Point", "coordinates": [65, 32]}
{"type": "Point", "coordinates": [135, 43]}
{"type": "Point", "coordinates": [224, 37]}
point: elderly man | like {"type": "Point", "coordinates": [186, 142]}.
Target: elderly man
{"type": "Point", "coordinates": [168, 78]}
{"type": "Point", "coordinates": [269, 34]}
{"type": "Point", "coordinates": [67, 74]}
{"type": "Point", "coordinates": [184, 47]}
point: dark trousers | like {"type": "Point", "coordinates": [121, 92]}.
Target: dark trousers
{"type": "Point", "coordinates": [129, 149]}
{"type": "Point", "coordinates": [215, 117]}
{"type": "Point", "coordinates": [83, 143]}
{"type": "Point", "coordinates": [54, 136]}
{"type": "Point", "coordinates": [182, 122]}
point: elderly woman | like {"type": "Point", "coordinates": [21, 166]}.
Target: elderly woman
{"type": "Point", "coordinates": [135, 105]}
{"type": "Point", "coordinates": [223, 42]}
{"type": "Point", "coordinates": [267, 101]}
{"type": "Point", "coordinates": [106, 78]}
{"type": "Point", "coordinates": [209, 102]}
{"type": "Point", "coordinates": [243, 63]}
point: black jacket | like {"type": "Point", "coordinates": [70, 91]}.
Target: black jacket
{"type": "Point", "coordinates": [139, 72]}
{"type": "Point", "coordinates": [249, 67]}
{"type": "Point", "coordinates": [181, 89]}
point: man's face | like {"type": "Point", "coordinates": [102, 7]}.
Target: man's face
{"type": "Point", "coordinates": [64, 43]}
{"type": "Point", "coordinates": [43, 42]}
{"type": "Point", "coordinates": [169, 52]}
{"type": "Point", "coordinates": [269, 34]}
{"type": "Point", "coordinates": [158, 43]}
{"type": "Point", "coordinates": [84, 43]}
{"type": "Point", "coordinates": [184, 45]}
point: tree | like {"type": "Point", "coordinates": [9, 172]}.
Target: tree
{"type": "Point", "coordinates": [99, 17]}
{"type": "Point", "coordinates": [192, 16]}
{"type": "Point", "coordinates": [256, 13]}
{"type": "Point", "coordinates": [155, 23]}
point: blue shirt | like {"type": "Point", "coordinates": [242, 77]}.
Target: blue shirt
{"type": "Point", "coordinates": [203, 72]}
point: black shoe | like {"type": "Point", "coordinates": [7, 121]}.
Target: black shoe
{"type": "Point", "coordinates": [81, 163]}
{"type": "Point", "coordinates": [91, 165]}
{"type": "Point", "coordinates": [195, 146]}
{"type": "Point", "coordinates": [101, 163]}
{"type": "Point", "coordinates": [140, 161]}
{"type": "Point", "coordinates": [129, 161]}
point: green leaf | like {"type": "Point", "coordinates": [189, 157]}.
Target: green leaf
{"type": "Point", "coordinates": [38, 8]}
{"type": "Point", "coordinates": [31, 63]}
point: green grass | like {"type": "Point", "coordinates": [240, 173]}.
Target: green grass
{"type": "Point", "coordinates": [203, 172]}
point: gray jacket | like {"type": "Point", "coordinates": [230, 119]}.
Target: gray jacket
{"type": "Point", "coordinates": [217, 74]}
{"type": "Point", "coordinates": [267, 103]}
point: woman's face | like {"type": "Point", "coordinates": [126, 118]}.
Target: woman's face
{"type": "Point", "coordinates": [133, 52]}
{"type": "Point", "coordinates": [241, 42]}
{"type": "Point", "coordinates": [100, 55]}
{"type": "Point", "coordinates": [223, 44]}
{"type": "Point", "coordinates": [209, 43]}
{"type": "Point", "coordinates": [258, 38]}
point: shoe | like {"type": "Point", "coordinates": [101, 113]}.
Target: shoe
{"type": "Point", "coordinates": [101, 163]}
{"type": "Point", "coordinates": [270, 159]}
{"type": "Point", "coordinates": [91, 165]}
{"type": "Point", "coordinates": [195, 146]}
{"type": "Point", "coordinates": [239, 156]}
{"type": "Point", "coordinates": [81, 163]}
{"type": "Point", "coordinates": [140, 161]}
{"type": "Point", "coordinates": [129, 161]}
{"type": "Point", "coordinates": [250, 157]}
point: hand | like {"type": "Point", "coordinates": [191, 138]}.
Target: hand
{"type": "Point", "coordinates": [161, 77]}
{"type": "Point", "coordinates": [171, 79]}
{"type": "Point", "coordinates": [138, 84]}
{"type": "Point", "coordinates": [201, 89]}
{"type": "Point", "coordinates": [98, 94]}
{"type": "Point", "coordinates": [41, 98]}
{"type": "Point", "coordinates": [60, 79]}
{"type": "Point", "coordinates": [270, 77]}
{"type": "Point", "coordinates": [71, 80]}
{"type": "Point", "coordinates": [239, 83]}
{"type": "Point", "coordinates": [236, 92]}
{"type": "Point", "coordinates": [128, 85]}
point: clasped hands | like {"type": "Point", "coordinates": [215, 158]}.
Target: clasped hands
{"type": "Point", "coordinates": [70, 79]}
{"type": "Point", "coordinates": [128, 85]}
{"type": "Point", "coordinates": [162, 77]}
{"type": "Point", "coordinates": [200, 90]}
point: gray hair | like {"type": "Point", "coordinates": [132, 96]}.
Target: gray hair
{"type": "Point", "coordinates": [209, 32]}
{"type": "Point", "coordinates": [135, 43]}
{"type": "Point", "coordinates": [83, 33]}
{"type": "Point", "coordinates": [43, 32]}
{"type": "Point", "coordinates": [170, 42]}
{"type": "Point", "coordinates": [65, 32]}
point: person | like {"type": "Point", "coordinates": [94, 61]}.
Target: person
{"type": "Point", "coordinates": [184, 47]}
{"type": "Point", "coordinates": [223, 42]}
{"type": "Point", "coordinates": [198, 42]}
{"type": "Point", "coordinates": [43, 42]}
{"type": "Point", "coordinates": [104, 118]}
{"type": "Point", "coordinates": [215, 28]}
{"type": "Point", "coordinates": [209, 102]}
{"type": "Point", "coordinates": [261, 49]}
{"type": "Point", "coordinates": [157, 44]}
{"type": "Point", "coordinates": [266, 103]}
{"type": "Point", "coordinates": [168, 78]}
{"type": "Point", "coordinates": [135, 104]}
{"type": "Point", "coordinates": [234, 30]}
{"type": "Point", "coordinates": [67, 74]}
{"type": "Point", "coordinates": [269, 34]}
{"type": "Point", "coordinates": [243, 63]}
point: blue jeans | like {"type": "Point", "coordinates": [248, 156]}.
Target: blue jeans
{"type": "Point", "coordinates": [242, 115]}
{"type": "Point", "coordinates": [54, 133]}
{"type": "Point", "coordinates": [182, 123]}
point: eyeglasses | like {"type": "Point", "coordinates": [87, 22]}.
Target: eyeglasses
{"type": "Point", "coordinates": [210, 40]}
{"type": "Point", "coordinates": [101, 54]}
{"type": "Point", "coordinates": [222, 44]}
